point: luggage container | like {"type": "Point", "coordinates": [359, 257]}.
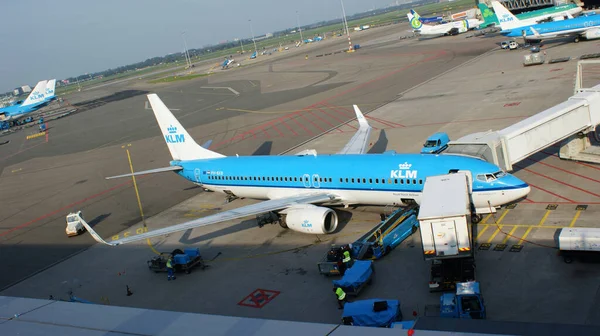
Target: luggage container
{"type": "Point", "coordinates": [578, 243]}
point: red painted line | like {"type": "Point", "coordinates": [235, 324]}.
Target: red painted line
{"type": "Point", "coordinates": [253, 135]}
{"type": "Point", "coordinates": [527, 200]}
{"type": "Point", "coordinates": [288, 127]}
{"type": "Point", "coordinates": [278, 131]}
{"type": "Point", "coordinates": [549, 192]}
{"type": "Point", "coordinates": [463, 121]}
{"type": "Point", "coordinates": [325, 121]}
{"type": "Point", "coordinates": [337, 109]}
{"type": "Point", "coordinates": [577, 162]}
{"type": "Point", "coordinates": [303, 127]}
{"type": "Point", "coordinates": [310, 121]}
{"type": "Point", "coordinates": [20, 151]}
{"type": "Point", "coordinates": [67, 207]}
{"type": "Point", "coordinates": [564, 170]}
{"type": "Point", "coordinates": [46, 131]}
{"type": "Point", "coordinates": [267, 134]}
{"type": "Point", "coordinates": [336, 118]}
{"type": "Point", "coordinates": [560, 182]}
{"type": "Point", "coordinates": [381, 122]}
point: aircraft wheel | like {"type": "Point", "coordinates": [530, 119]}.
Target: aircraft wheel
{"type": "Point", "coordinates": [475, 219]}
{"type": "Point", "coordinates": [576, 40]}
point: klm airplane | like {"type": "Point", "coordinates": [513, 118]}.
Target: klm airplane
{"type": "Point", "coordinates": [554, 13]}
{"type": "Point", "coordinates": [302, 188]}
{"type": "Point", "coordinates": [40, 96]}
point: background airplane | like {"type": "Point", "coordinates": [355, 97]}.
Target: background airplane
{"type": "Point", "coordinates": [552, 13]}
{"type": "Point", "coordinates": [302, 188]}
{"type": "Point", "coordinates": [35, 100]}
{"type": "Point", "coordinates": [434, 19]}
{"type": "Point", "coordinates": [586, 27]}
{"type": "Point", "coordinates": [509, 21]}
{"type": "Point", "coordinates": [450, 28]}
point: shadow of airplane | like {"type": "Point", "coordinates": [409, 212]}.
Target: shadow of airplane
{"type": "Point", "coordinates": [380, 145]}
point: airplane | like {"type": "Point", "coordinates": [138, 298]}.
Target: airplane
{"type": "Point", "coordinates": [434, 19]}
{"type": "Point", "coordinates": [303, 187]}
{"type": "Point", "coordinates": [226, 63]}
{"type": "Point", "coordinates": [586, 27]}
{"type": "Point", "coordinates": [50, 89]}
{"type": "Point", "coordinates": [450, 28]}
{"type": "Point", "coordinates": [508, 21]}
{"type": "Point", "coordinates": [35, 100]}
{"type": "Point", "coordinates": [537, 16]}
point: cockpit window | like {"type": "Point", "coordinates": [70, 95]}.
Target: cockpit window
{"type": "Point", "coordinates": [430, 143]}
{"type": "Point", "coordinates": [490, 177]}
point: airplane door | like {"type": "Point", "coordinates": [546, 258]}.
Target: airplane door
{"type": "Point", "coordinates": [197, 175]}
{"type": "Point", "coordinates": [306, 180]}
{"type": "Point", "coordinates": [316, 183]}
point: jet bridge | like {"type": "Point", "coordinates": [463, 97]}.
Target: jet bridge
{"type": "Point", "coordinates": [568, 123]}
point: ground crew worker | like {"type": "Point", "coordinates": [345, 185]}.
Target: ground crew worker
{"type": "Point", "coordinates": [170, 272]}
{"type": "Point", "coordinates": [347, 259]}
{"type": "Point", "coordinates": [341, 296]}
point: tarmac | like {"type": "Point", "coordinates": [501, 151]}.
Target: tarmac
{"type": "Point", "coordinates": [408, 89]}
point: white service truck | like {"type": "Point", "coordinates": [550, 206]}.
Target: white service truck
{"type": "Point", "coordinates": [446, 234]}
{"type": "Point", "coordinates": [578, 243]}
{"type": "Point", "coordinates": [74, 226]}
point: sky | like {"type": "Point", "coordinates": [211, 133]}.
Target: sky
{"type": "Point", "coordinates": [64, 38]}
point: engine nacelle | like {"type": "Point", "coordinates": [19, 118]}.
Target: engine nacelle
{"type": "Point", "coordinates": [311, 219]}
{"type": "Point", "coordinates": [591, 34]}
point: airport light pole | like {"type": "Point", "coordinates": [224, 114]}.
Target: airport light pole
{"type": "Point", "coordinates": [253, 40]}
{"type": "Point", "coordinates": [187, 56]}
{"type": "Point", "coordinates": [299, 29]}
{"type": "Point", "coordinates": [346, 24]}
{"type": "Point", "coordinates": [241, 44]}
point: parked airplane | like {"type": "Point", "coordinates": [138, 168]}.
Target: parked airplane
{"type": "Point", "coordinates": [508, 21]}
{"type": "Point", "coordinates": [434, 19]}
{"type": "Point", "coordinates": [586, 27]}
{"type": "Point", "coordinates": [450, 28]}
{"type": "Point", "coordinates": [303, 187]}
{"type": "Point", "coordinates": [226, 63]}
{"type": "Point", "coordinates": [555, 13]}
{"type": "Point", "coordinates": [34, 101]}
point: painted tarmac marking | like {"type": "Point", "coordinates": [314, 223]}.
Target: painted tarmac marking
{"type": "Point", "coordinates": [575, 218]}
{"type": "Point", "coordinates": [36, 135]}
{"type": "Point", "coordinates": [564, 170]}
{"type": "Point", "coordinates": [509, 235]}
{"type": "Point", "coordinates": [525, 235]}
{"type": "Point", "coordinates": [558, 181]}
{"type": "Point", "coordinates": [551, 193]}
{"type": "Point", "coordinates": [259, 298]}
{"type": "Point", "coordinates": [341, 121]}
{"type": "Point", "coordinates": [543, 220]}
{"type": "Point", "coordinates": [482, 231]}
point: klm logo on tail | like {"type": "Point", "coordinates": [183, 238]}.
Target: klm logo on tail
{"type": "Point", "coordinates": [404, 171]}
{"type": "Point", "coordinates": [506, 18]}
{"type": "Point", "coordinates": [36, 95]}
{"type": "Point", "coordinates": [173, 137]}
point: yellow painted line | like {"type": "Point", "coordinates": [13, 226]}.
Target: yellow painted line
{"type": "Point", "coordinates": [525, 236]}
{"type": "Point", "coordinates": [575, 218]}
{"type": "Point", "coordinates": [16, 170]}
{"type": "Point", "coordinates": [502, 217]}
{"type": "Point", "coordinates": [494, 235]}
{"type": "Point", "coordinates": [36, 135]}
{"type": "Point", "coordinates": [486, 219]}
{"type": "Point", "coordinates": [482, 231]}
{"type": "Point", "coordinates": [508, 236]}
{"type": "Point", "coordinates": [544, 218]}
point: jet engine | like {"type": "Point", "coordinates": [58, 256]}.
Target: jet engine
{"type": "Point", "coordinates": [591, 34]}
{"type": "Point", "coordinates": [310, 219]}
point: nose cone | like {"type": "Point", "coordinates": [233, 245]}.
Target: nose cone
{"type": "Point", "coordinates": [520, 188]}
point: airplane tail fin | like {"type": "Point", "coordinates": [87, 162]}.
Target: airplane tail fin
{"type": "Point", "coordinates": [489, 17]}
{"type": "Point", "coordinates": [37, 94]}
{"type": "Point", "coordinates": [181, 145]}
{"type": "Point", "coordinates": [506, 18]}
{"type": "Point", "coordinates": [413, 18]}
{"type": "Point", "coordinates": [50, 86]}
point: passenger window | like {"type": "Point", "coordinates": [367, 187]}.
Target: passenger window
{"type": "Point", "coordinates": [330, 179]}
{"type": "Point", "coordinates": [420, 181]}
{"type": "Point", "coordinates": [341, 180]}
{"type": "Point", "coordinates": [346, 180]}
{"type": "Point", "coordinates": [414, 181]}
{"type": "Point", "coordinates": [376, 180]}
{"type": "Point", "coordinates": [370, 180]}
{"type": "Point", "coordinates": [364, 180]}
{"type": "Point", "coordinates": [407, 181]}
{"type": "Point", "coordinates": [383, 181]}
{"type": "Point", "coordinates": [357, 180]}
{"type": "Point", "coordinates": [352, 180]}
{"type": "Point", "coordinates": [395, 181]}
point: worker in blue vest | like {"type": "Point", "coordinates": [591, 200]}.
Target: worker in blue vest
{"type": "Point", "coordinates": [170, 271]}
{"type": "Point", "coordinates": [341, 296]}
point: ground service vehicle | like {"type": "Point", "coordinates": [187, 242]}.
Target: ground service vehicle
{"type": "Point", "coordinates": [580, 243]}
{"type": "Point", "coordinates": [74, 226]}
{"type": "Point", "coordinates": [466, 303]}
{"type": "Point", "coordinates": [388, 234]}
{"type": "Point", "coordinates": [356, 277]}
{"type": "Point", "coordinates": [436, 143]}
{"type": "Point", "coordinates": [331, 263]}
{"type": "Point", "coordinates": [183, 261]}
{"type": "Point", "coordinates": [372, 313]}
{"type": "Point", "coordinates": [446, 236]}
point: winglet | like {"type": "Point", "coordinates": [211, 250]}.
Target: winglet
{"type": "Point", "coordinates": [94, 234]}
{"type": "Point", "coordinates": [362, 122]}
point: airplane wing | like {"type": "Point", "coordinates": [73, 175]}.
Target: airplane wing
{"type": "Point", "coordinates": [151, 171]}
{"type": "Point", "coordinates": [358, 143]}
{"type": "Point", "coordinates": [249, 210]}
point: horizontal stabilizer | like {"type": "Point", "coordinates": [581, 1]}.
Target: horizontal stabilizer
{"type": "Point", "coordinates": [151, 171]}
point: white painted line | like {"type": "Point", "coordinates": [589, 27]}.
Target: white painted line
{"type": "Point", "coordinates": [221, 87]}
